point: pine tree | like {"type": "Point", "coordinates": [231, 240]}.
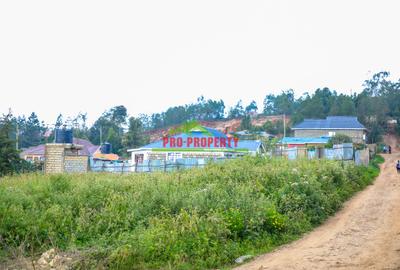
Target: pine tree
{"type": "Point", "coordinates": [9, 158]}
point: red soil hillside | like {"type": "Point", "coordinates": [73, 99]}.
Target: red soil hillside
{"type": "Point", "coordinates": [231, 125]}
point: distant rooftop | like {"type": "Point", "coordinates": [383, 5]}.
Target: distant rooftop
{"type": "Point", "coordinates": [331, 122]}
{"type": "Point", "coordinates": [249, 145]}
{"type": "Point", "coordinates": [88, 148]}
{"type": "Point", "coordinates": [299, 140]}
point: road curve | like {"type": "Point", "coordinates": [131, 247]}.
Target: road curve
{"type": "Point", "coordinates": [365, 234]}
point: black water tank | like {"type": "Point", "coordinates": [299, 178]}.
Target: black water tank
{"type": "Point", "coordinates": [106, 148]}
{"type": "Point", "coordinates": [59, 136]}
{"type": "Point", "coordinates": [68, 136]}
{"type": "Point", "coordinates": [64, 135]}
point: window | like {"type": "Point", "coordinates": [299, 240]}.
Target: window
{"type": "Point", "coordinates": [332, 133]}
{"type": "Point", "coordinates": [174, 156]}
{"type": "Point", "coordinates": [139, 158]}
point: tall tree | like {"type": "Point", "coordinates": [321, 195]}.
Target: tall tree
{"type": "Point", "coordinates": [31, 131]}
{"type": "Point", "coordinates": [285, 102]}
{"type": "Point", "coordinates": [269, 105]}
{"type": "Point", "coordinates": [343, 105]}
{"type": "Point", "coordinates": [246, 123]}
{"type": "Point", "coordinates": [236, 111]}
{"type": "Point", "coordinates": [9, 157]}
{"type": "Point", "coordinates": [59, 121]}
{"type": "Point", "coordinates": [80, 127]}
{"type": "Point", "coordinates": [110, 127]}
{"type": "Point", "coordinates": [134, 137]}
{"type": "Point", "coordinates": [251, 108]}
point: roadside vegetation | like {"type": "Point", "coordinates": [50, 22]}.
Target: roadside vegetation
{"type": "Point", "coordinates": [194, 219]}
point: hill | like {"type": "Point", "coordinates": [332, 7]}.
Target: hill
{"type": "Point", "coordinates": [226, 125]}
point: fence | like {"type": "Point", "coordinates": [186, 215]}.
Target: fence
{"type": "Point", "coordinates": [361, 157]}
{"type": "Point", "coordinates": [155, 165]}
{"type": "Point", "coordinates": [338, 152]}
{"type": "Point", "coordinates": [343, 152]}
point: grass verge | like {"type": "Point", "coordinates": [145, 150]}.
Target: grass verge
{"type": "Point", "coordinates": [194, 219]}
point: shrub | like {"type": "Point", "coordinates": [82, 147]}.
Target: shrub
{"type": "Point", "coordinates": [194, 219]}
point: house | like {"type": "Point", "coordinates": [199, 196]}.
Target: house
{"type": "Point", "coordinates": [331, 126]}
{"type": "Point", "coordinates": [301, 142]}
{"type": "Point", "coordinates": [246, 134]}
{"type": "Point", "coordinates": [34, 153]}
{"type": "Point", "coordinates": [37, 153]}
{"type": "Point", "coordinates": [199, 143]}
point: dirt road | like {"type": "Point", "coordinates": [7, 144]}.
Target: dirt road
{"type": "Point", "coordinates": [365, 234]}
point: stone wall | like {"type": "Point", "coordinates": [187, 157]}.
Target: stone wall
{"type": "Point", "coordinates": [63, 157]}
{"type": "Point", "coordinates": [54, 158]}
{"type": "Point", "coordinates": [355, 135]}
{"type": "Point", "coordinates": [75, 164]}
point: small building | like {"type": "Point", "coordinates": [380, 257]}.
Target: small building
{"type": "Point", "coordinates": [294, 147]}
{"type": "Point", "coordinates": [331, 126]}
{"type": "Point", "coordinates": [246, 134]}
{"type": "Point", "coordinates": [37, 153]}
{"type": "Point", "coordinates": [292, 142]}
{"type": "Point", "coordinates": [97, 157]}
{"type": "Point", "coordinates": [65, 158]}
{"type": "Point", "coordinates": [34, 153]}
{"type": "Point", "coordinates": [198, 143]}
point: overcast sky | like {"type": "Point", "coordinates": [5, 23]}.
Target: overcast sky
{"type": "Point", "coordinates": [71, 56]}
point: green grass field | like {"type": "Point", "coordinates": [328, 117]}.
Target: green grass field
{"type": "Point", "coordinates": [194, 219]}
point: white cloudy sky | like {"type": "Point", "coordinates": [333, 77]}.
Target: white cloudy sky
{"type": "Point", "coordinates": [71, 56]}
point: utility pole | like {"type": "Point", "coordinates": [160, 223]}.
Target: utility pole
{"type": "Point", "coordinates": [101, 136]}
{"type": "Point", "coordinates": [16, 136]}
{"type": "Point", "coordinates": [284, 125]}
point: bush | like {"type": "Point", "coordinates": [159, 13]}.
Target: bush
{"type": "Point", "coordinates": [338, 139]}
{"type": "Point", "coordinates": [194, 219]}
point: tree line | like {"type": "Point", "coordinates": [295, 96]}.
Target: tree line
{"type": "Point", "coordinates": [378, 101]}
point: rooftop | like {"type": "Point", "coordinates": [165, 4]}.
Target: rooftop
{"type": "Point", "coordinates": [247, 145]}
{"type": "Point", "coordinates": [300, 140]}
{"type": "Point", "coordinates": [331, 122]}
{"type": "Point", "coordinates": [88, 148]}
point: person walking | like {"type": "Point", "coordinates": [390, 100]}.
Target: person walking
{"type": "Point", "coordinates": [398, 166]}
{"type": "Point", "coordinates": [390, 149]}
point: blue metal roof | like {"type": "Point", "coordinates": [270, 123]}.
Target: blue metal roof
{"type": "Point", "coordinates": [331, 122]}
{"type": "Point", "coordinates": [193, 134]}
{"type": "Point", "coordinates": [250, 145]}
{"type": "Point", "coordinates": [160, 144]}
{"type": "Point", "coordinates": [300, 140]}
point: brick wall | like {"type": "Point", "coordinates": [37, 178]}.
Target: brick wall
{"type": "Point", "coordinates": [63, 157]}
{"type": "Point", "coordinates": [75, 164]}
{"type": "Point", "coordinates": [54, 158]}
{"type": "Point", "coordinates": [355, 135]}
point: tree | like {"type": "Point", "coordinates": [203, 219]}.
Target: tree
{"type": "Point", "coordinates": [246, 123]}
{"type": "Point", "coordinates": [375, 134]}
{"type": "Point", "coordinates": [343, 105]}
{"type": "Point", "coordinates": [59, 121]}
{"type": "Point", "coordinates": [285, 102]}
{"type": "Point", "coordinates": [31, 131]}
{"type": "Point", "coordinates": [339, 139]}
{"type": "Point", "coordinates": [269, 105]}
{"type": "Point", "coordinates": [118, 115]}
{"type": "Point", "coordinates": [79, 126]}
{"type": "Point", "coordinates": [311, 108]}
{"type": "Point", "coordinates": [251, 108]}
{"type": "Point", "coordinates": [9, 158]}
{"type": "Point", "coordinates": [110, 127]}
{"type": "Point", "coordinates": [134, 137]}
{"type": "Point", "coordinates": [237, 111]}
